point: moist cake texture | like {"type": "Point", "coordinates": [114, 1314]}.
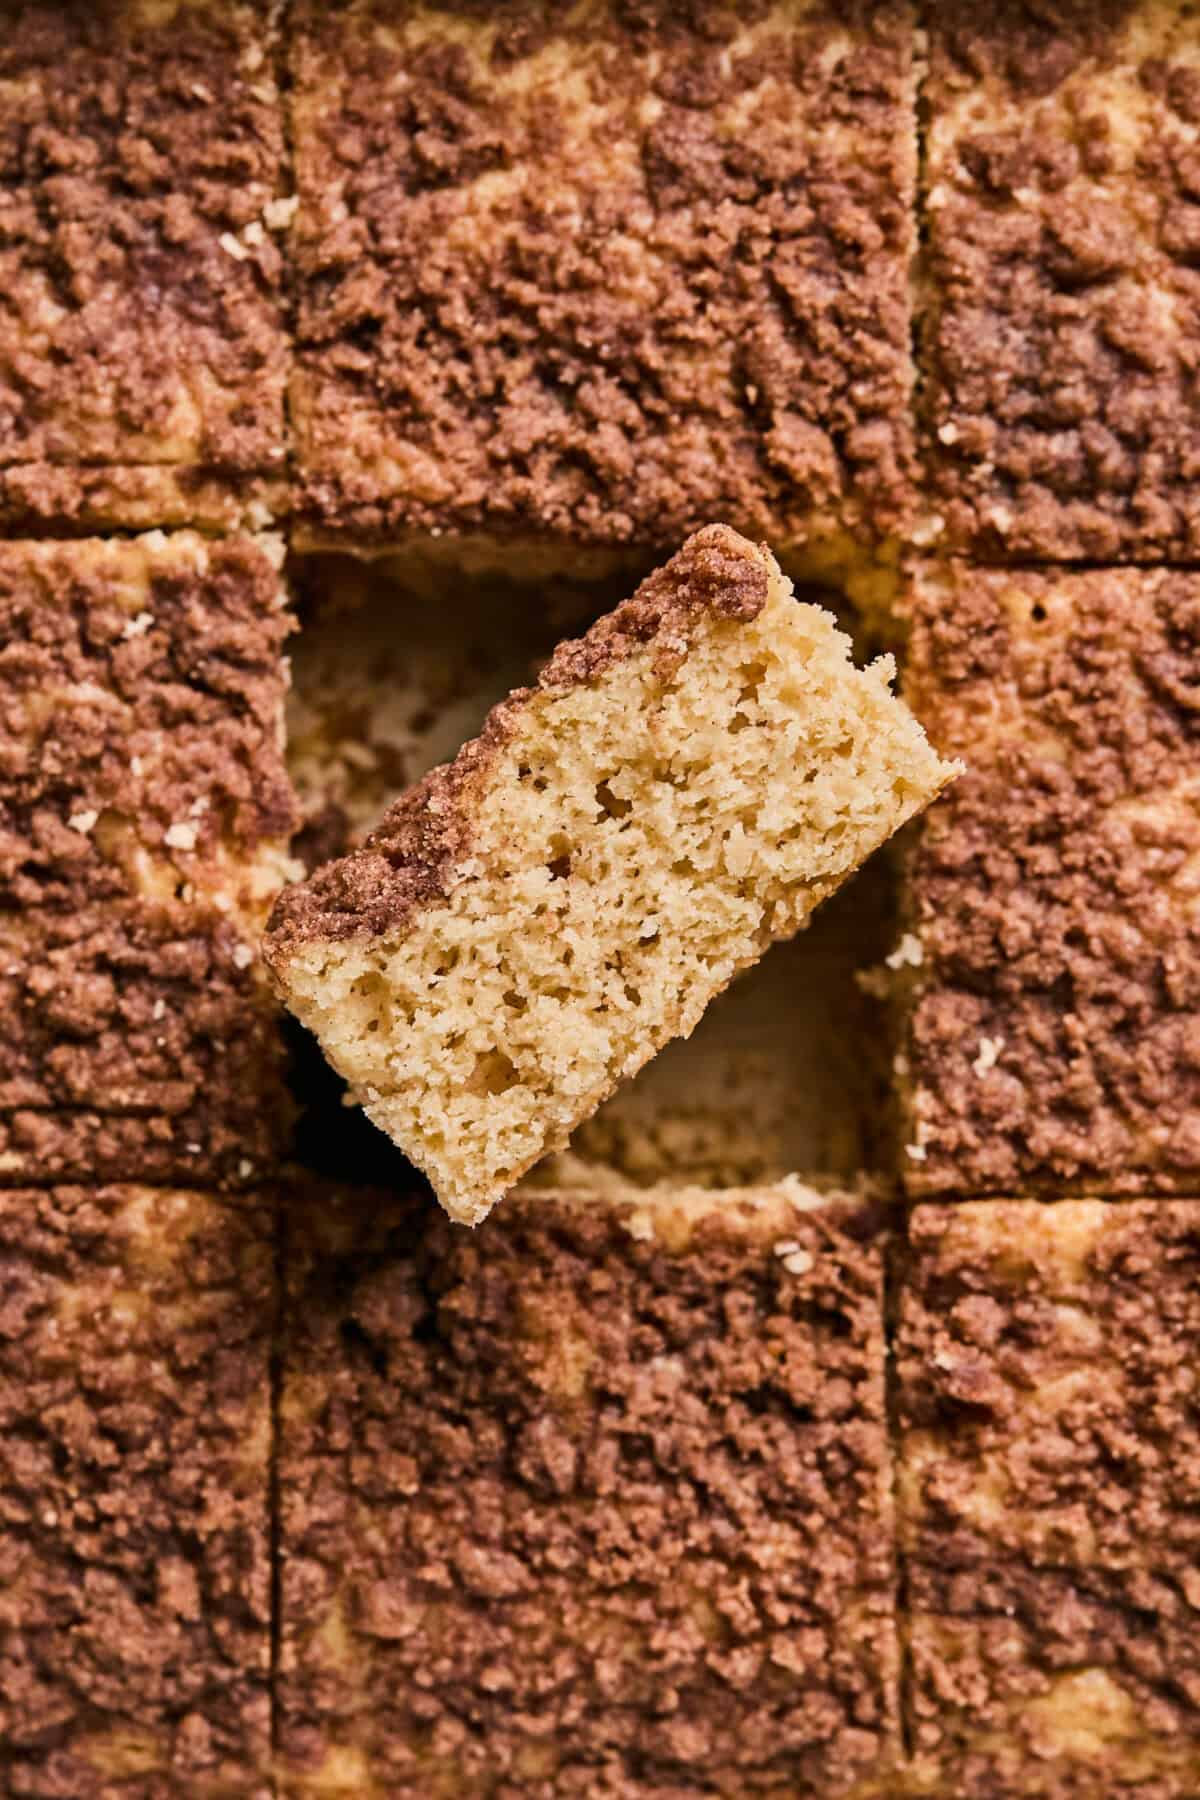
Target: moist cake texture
{"type": "Point", "coordinates": [1049, 1498]}
{"type": "Point", "coordinates": [1053, 950]}
{"type": "Point", "coordinates": [135, 1328]}
{"type": "Point", "coordinates": [144, 816]}
{"type": "Point", "coordinates": [597, 275]}
{"type": "Point", "coordinates": [141, 195]}
{"type": "Point", "coordinates": [1063, 301]}
{"type": "Point", "coordinates": [532, 922]}
{"type": "Point", "coordinates": [587, 1502]}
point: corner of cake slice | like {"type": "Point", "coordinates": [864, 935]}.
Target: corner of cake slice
{"type": "Point", "coordinates": [533, 921]}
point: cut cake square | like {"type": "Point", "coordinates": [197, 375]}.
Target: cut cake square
{"type": "Point", "coordinates": [1049, 1498]}
{"type": "Point", "coordinates": [595, 1500]}
{"type": "Point", "coordinates": [1052, 960]}
{"type": "Point", "coordinates": [578, 280]}
{"type": "Point", "coordinates": [135, 1414]}
{"type": "Point", "coordinates": [142, 341]}
{"type": "Point", "coordinates": [144, 819]}
{"type": "Point", "coordinates": [1061, 308]}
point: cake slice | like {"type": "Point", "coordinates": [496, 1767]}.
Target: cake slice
{"type": "Point", "coordinates": [135, 1493]}
{"type": "Point", "coordinates": [1048, 1498]}
{"type": "Point", "coordinates": [1049, 976]}
{"type": "Point", "coordinates": [530, 923]}
{"type": "Point", "coordinates": [595, 1501]}
{"type": "Point", "coordinates": [143, 349]}
{"type": "Point", "coordinates": [1059, 306]}
{"type": "Point", "coordinates": [145, 814]}
{"type": "Point", "coordinates": [570, 282]}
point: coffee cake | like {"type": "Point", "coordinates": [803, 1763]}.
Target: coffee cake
{"type": "Point", "coordinates": [144, 816]}
{"type": "Point", "coordinates": [141, 194]}
{"type": "Point", "coordinates": [385, 683]}
{"type": "Point", "coordinates": [1053, 955]}
{"type": "Point", "coordinates": [593, 1501]}
{"type": "Point", "coordinates": [1049, 1498]}
{"type": "Point", "coordinates": [1062, 309]}
{"type": "Point", "coordinates": [592, 280]}
{"type": "Point", "coordinates": [529, 924]}
{"type": "Point", "coordinates": [135, 1328]}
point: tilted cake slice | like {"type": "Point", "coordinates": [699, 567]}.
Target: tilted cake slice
{"type": "Point", "coordinates": [530, 923]}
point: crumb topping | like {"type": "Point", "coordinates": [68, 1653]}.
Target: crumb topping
{"type": "Point", "coordinates": [603, 285]}
{"type": "Point", "coordinates": [1064, 306]}
{"type": "Point", "coordinates": [134, 1340]}
{"type": "Point", "coordinates": [1052, 888]}
{"type": "Point", "coordinates": [543, 1478]}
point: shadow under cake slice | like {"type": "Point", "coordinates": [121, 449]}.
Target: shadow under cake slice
{"type": "Point", "coordinates": [532, 922]}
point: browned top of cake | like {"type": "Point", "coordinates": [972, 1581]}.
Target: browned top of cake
{"type": "Point", "coordinates": [599, 1505]}
{"type": "Point", "coordinates": [134, 1580]}
{"type": "Point", "coordinates": [152, 1012]}
{"type": "Point", "coordinates": [1046, 1362]}
{"type": "Point", "coordinates": [1053, 888]}
{"type": "Point", "coordinates": [141, 687]}
{"type": "Point", "coordinates": [606, 281]}
{"type": "Point", "coordinates": [141, 149]}
{"type": "Point", "coordinates": [229, 1139]}
{"type": "Point", "coordinates": [1049, 1490]}
{"type": "Point", "coordinates": [41, 499]}
{"type": "Point", "coordinates": [407, 861]}
{"type": "Point", "coordinates": [1025, 50]}
{"type": "Point", "coordinates": [1035, 1684]}
{"type": "Point", "coordinates": [144, 808]}
{"type": "Point", "coordinates": [1062, 225]}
